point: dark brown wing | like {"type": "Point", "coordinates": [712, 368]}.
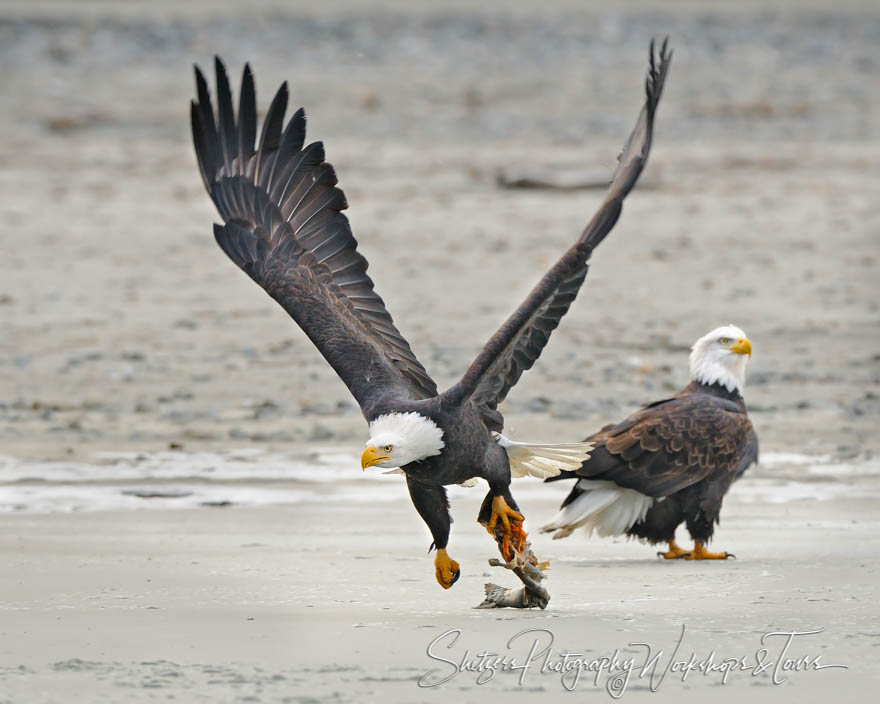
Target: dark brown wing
{"type": "Point", "coordinates": [670, 445]}
{"type": "Point", "coordinates": [519, 342]}
{"type": "Point", "coordinates": [284, 227]}
{"type": "Point", "coordinates": [749, 456]}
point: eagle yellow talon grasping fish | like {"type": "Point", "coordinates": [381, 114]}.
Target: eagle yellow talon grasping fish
{"type": "Point", "coordinates": [284, 227]}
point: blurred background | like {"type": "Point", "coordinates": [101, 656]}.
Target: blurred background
{"type": "Point", "coordinates": [125, 332]}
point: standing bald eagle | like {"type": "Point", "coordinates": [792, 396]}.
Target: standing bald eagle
{"type": "Point", "coordinates": [671, 462]}
{"type": "Point", "coordinates": [283, 227]}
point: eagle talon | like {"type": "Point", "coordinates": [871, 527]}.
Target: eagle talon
{"type": "Point", "coordinates": [446, 569]}
{"type": "Point", "coordinates": [502, 512]}
{"type": "Point", "coordinates": [700, 553]}
{"type": "Point", "coordinates": [675, 552]}
{"type": "Point", "coordinates": [506, 523]}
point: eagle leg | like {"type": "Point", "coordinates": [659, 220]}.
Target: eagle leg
{"type": "Point", "coordinates": [433, 506]}
{"type": "Point", "coordinates": [675, 552]}
{"type": "Point", "coordinates": [700, 553]}
{"type": "Point", "coordinates": [446, 569]}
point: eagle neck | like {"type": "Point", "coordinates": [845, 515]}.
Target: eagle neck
{"type": "Point", "coordinates": [715, 389]}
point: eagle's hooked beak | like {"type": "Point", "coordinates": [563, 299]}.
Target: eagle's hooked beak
{"type": "Point", "coordinates": [742, 346]}
{"type": "Point", "coordinates": [372, 456]}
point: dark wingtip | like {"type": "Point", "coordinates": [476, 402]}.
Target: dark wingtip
{"type": "Point", "coordinates": [222, 77]}
{"type": "Point", "coordinates": [300, 114]}
{"type": "Point", "coordinates": [247, 115]}
{"type": "Point", "coordinates": [658, 67]}
{"type": "Point", "coordinates": [201, 83]}
{"type": "Point", "coordinates": [220, 71]}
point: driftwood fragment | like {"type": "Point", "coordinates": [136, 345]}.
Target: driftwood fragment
{"type": "Point", "coordinates": [529, 570]}
{"type": "Point", "coordinates": [555, 180]}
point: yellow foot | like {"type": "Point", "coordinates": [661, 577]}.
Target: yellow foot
{"type": "Point", "coordinates": [502, 512]}
{"type": "Point", "coordinates": [700, 553]}
{"type": "Point", "coordinates": [511, 524]}
{"type": "Point", "coordinates": [446, 569]}
{"type": "Point", "coordinates": [675, 552]}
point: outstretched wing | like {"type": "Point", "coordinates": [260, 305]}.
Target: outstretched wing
{"type": "Point", "coordinates": [519, 342]}
{"type": "Point", "coordinates": [670, 445]}
{"type": "Point", "coordinates": [284, 228]}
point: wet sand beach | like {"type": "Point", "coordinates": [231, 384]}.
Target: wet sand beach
{"type": "Point", "coordinates": [257, 604]}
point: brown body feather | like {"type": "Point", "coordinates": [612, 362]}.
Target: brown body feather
{"type": "Point", "coordinates": [285, 228]}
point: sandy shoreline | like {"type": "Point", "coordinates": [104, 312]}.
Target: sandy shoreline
{"type": "Point", "coordinates": [226, 604]}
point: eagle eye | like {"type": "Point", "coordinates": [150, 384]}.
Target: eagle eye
{"type": "Point", "coordinates": [388, 448]}
{"type": "Point", "coordinates": [724, 341]}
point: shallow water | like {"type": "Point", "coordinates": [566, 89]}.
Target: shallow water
{"type": "Point", "coordinates": [246, 477]}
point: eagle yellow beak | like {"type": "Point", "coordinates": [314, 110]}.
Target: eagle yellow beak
{"type": "Point", "coordinates": [371, 456]}
{"type": "Point", "coordinates": [742, 346]}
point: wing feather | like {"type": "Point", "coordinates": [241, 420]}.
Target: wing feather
{"type": "Point", "coordinates": [227, 130]}
{"type": "Point", "coordinates": [671, 445]}
{"type": "Point", "coordinates": [519, 342]}
{"type": "Point", "coordinates": [247, 118]}
{"type": "Point", "coordinates": [284, 227]}
{"type": "Point", "coordinates": [270, 137]}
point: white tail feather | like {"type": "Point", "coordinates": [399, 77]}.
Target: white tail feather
{"type": "Point", "coordinates": [543, 460]}
{"type": "Point", "coordinates": [604, 507]}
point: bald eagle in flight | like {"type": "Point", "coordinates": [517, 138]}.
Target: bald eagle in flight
{"type": "Point", "coordinates": [671, 462]}
{"type": "Point", "coordinates": [284, 227]}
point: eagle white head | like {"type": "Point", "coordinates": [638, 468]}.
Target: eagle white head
{"type": "Point", "coordinates": [721, 357]}
{"type": "Point", "coordinates": [397, 439]}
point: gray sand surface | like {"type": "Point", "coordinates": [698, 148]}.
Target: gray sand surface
{"type": "Point", "coordinates": [124, 328]}
{"type": "Point", "coordinates": [257, 605]}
